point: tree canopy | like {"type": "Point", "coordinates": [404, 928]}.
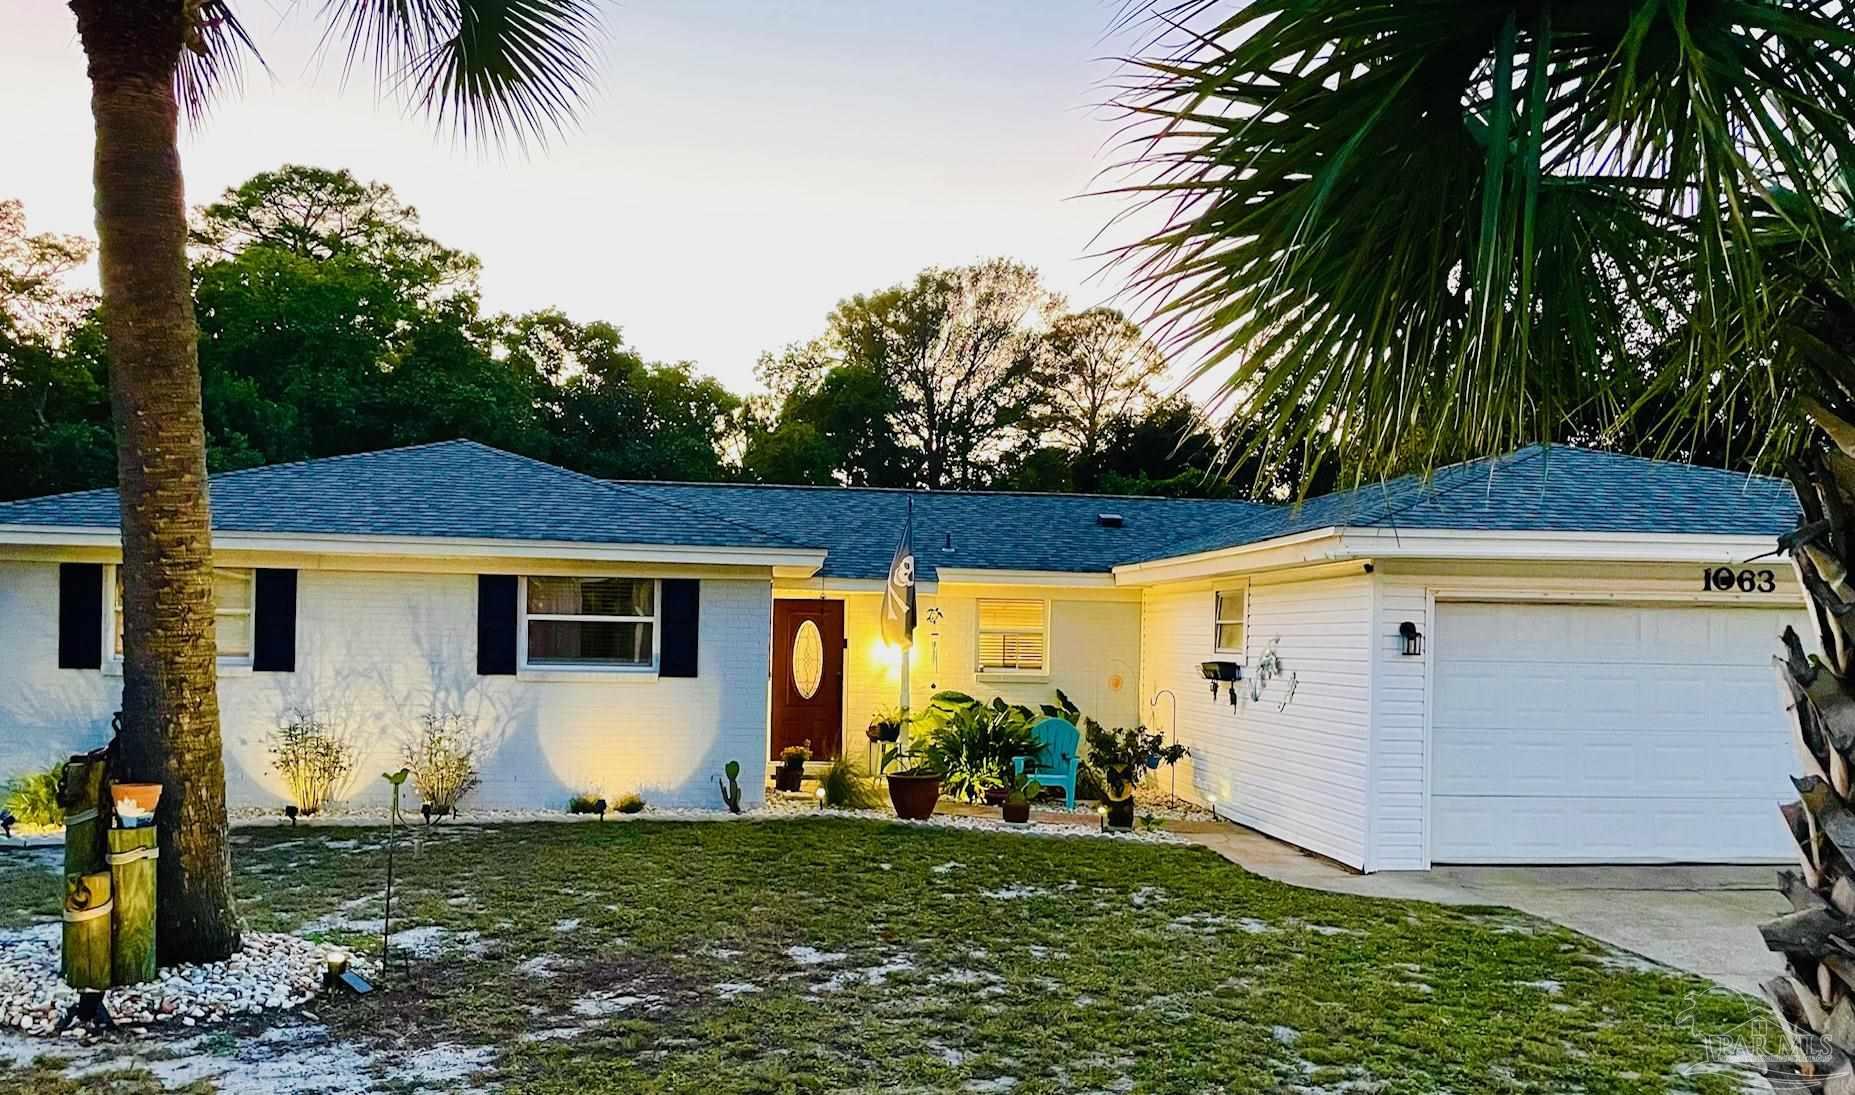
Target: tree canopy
{"type": "Point", "coordinates": [330, 321]}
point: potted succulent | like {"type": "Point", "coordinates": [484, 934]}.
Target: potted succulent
{"type": "Point", "coordinates": [1020, 791]}
{"type": "Point", "coordinates": [791, 770]}
{"type": "Point", "coordinates": [886, 726]}
{"type": "Point", "coordinates": [1120, 759]}
{"type": "Point", "coordinates": [914, 783]}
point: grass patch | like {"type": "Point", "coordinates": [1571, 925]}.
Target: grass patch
{"type": "Point", "coordinates": [847, 955]}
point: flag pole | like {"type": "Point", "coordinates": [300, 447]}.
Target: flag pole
{"type": "Point", "coordinates": [908, 638]}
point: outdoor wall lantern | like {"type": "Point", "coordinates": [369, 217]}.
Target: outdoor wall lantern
{"type": "Point", "coordinates": [1413, 638]}
{"type": "Point", "coordinates": [1221, 673]}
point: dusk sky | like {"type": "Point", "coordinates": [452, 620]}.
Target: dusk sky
{"type": "Point", "coordinates": [741, 168]}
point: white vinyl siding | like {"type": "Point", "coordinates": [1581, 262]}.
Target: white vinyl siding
{"type": "Point", "coordinates": [1013, 636]}
{"type": "Point", "coordinates": [1404, 816]}
{"type": "Point", "coordinates": [1290, 762]}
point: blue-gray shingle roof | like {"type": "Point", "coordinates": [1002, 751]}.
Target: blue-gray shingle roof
{"type": "Point", "coordinates": [976, 529]}
{"type": "Point", "coordinates": [460, 489]}
{"type": "Point", "coordinates": [1551, 488]}
{"type": "Point", "coordinates": [452, 489]}
{"type": "Point", "coordinates": [1543, 488]}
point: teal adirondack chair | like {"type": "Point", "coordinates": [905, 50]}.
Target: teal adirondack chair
{"type": "Point", "coordinates": [1056, 766]}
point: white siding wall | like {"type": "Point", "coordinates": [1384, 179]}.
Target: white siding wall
{"type": "Point", "coordinates": [1094, 659]}
{"type": "Point", "coordinates": [377, 650]}
{"type": "Point", "coordinates": [1400, 760]}
{"type": "Point", "coordinates": [1298, 772]}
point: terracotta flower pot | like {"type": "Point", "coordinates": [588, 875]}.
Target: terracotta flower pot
{"type": "Point", "coordinates": [135, 803]}
{"type": "Point", "coordinates": [996, 796]}
{"type": "Point", "coordinates": [1016, 812]}
{"type": "Point", "coordinates": [788, 779]}
{"type": "Point", "coordinates": [914, 797]}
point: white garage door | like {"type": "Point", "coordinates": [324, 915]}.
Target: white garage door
{"type": "Point", "coordinates": [1607, 733]}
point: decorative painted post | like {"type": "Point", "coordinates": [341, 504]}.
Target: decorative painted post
{"type": "Point", "coordinates": [86, 958]}
{"type": "Point", "coordinates": [132, 854]}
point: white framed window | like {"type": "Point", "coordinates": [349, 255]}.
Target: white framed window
{"type": "Point", "coordinates": [1013, 636]}
{"type": "Point", "coordinates": [1227, 621]}
{"type": "Point", "coordinates": [590, 623]}
{"type": "Point", "coordinates": [234, 612]}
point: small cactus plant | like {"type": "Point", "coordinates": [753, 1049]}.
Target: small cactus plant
{"type": "Point", "coordinates": [731, 790]}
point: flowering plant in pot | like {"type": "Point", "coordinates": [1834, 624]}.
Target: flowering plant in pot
{"type": "Point", "coordinates": [914, 783]}
{"type": "Point", "coordinates": [1020, 791]}
{"type": "Point", "coordinates": [791, 770]}
{"type": "Point", "coordinates": [1120, 759]}
{"type": "Point", "coordinates": [886, 725]}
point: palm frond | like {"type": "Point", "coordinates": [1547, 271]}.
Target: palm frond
{"type": "Point", "coordinates": [491, 70]}
{"type": "Point", "coordinates": [212, 62]}
{"type": "Point", "coordinates": [1405, 230]}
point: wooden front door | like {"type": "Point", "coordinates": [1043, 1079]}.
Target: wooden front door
{"type": "Point", "coordinates": [808, 677]}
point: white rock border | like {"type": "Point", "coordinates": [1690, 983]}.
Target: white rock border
{"type": "Point", "coordinates": [270, 972]}
{"type": "Point", "coordinates": [363, 816]}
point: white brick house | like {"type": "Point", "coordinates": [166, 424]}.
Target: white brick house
{"type": "Point", "coordinates": [1580, 681]}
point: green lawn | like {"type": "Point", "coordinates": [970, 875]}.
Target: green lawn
{"type": "Point", "coordinates": [842, 955]}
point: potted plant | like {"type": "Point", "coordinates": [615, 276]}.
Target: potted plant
{"type": "Point", "coordinates": [791, 770]}
{"type": "Point", "coordinates": [1020, 791]}
{"type": "Point", "coordinates": [886, 726]}
{"type": "Point", "coordinates": [914, 783]}
{"type": "Point", "coordinates": [975, 746]}
{"type": "Point", "coordinates": [1120, 759]}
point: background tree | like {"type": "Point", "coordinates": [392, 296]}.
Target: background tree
{"type": "Point", "coordinates": [1462, 226]}
{"type": "Point", "coordinates": [498, 69]}
{"type": "Point", "coordinates": [54, 408]}
{"type": "Point", "coordinates": [956, 346]}
{"type": "Point", "coordinates": [1095, 368]}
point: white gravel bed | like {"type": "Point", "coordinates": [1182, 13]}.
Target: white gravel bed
{"type": "Point", "coordinates": [773, 811]}
{"type": "Point", "coordinates": [270, 973]}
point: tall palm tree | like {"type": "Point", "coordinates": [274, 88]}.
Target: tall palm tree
{"type": "Point", "coordinates": [1401, 231]}
{"type": "Point", "coordinates": [497, 69]}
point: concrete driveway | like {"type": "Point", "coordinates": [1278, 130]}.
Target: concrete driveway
{"type": "Point", "coordinates": [1700, 919]}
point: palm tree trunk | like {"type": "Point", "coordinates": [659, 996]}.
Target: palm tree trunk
{"type": "Point", "coordinates": [170, 707]}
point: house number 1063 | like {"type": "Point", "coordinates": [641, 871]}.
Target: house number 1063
{"type": "Point", "coordinates": [1728, 580]}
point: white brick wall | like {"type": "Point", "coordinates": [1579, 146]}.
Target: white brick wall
{"type": "Point", "coordinates": [377, 650]}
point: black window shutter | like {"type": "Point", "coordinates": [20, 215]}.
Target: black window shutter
{"type": "Point", "coordinates": [496, 624]}
{"type": "Point", "coordinates": [273, 645]}
{"type": "Point", "coordinates": [681, 617]}
{"type": "Point", "coordinates": [80, 615]}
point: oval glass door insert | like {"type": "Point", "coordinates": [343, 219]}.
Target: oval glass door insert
{"type": "Point", "coordinates": [807, 659]}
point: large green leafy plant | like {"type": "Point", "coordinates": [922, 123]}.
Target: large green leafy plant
{"type": "Point", "coordinates": [1120, 758]}
{"type": "Point", "coordinates": [973, 745]}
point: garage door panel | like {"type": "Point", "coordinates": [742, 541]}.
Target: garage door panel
{"type": "Point", "coordinates": [1586, 733]}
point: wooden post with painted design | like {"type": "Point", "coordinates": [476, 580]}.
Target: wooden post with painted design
{"type": "Point", "coordinates": [132, 855]}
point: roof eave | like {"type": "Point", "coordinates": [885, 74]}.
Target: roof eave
{"type": "Point", "coordinates": [785, 562]}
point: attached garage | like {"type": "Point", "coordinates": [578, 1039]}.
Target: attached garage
{"type": "Point", "coordinates": [1578, 733]}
